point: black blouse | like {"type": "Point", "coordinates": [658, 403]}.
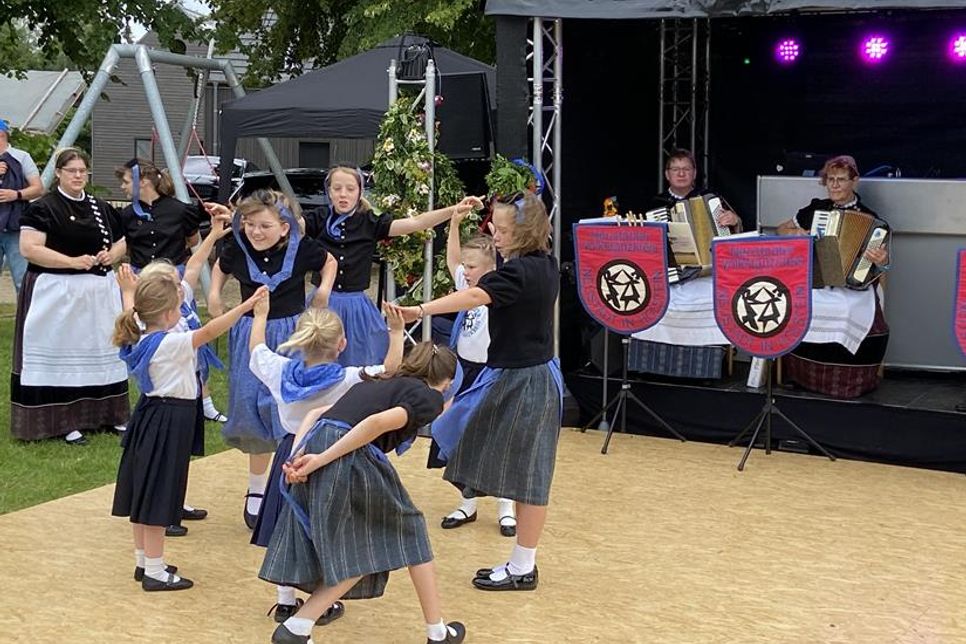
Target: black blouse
{"type": "Point", "coordinates": [288, 298]}
{"type": "Point", "coordinates": [422, 405]}
{"type": "Point", "coordinates": [522, 294]}
{"type": "Point", "coordinates": [74, 228]}
{"type": "Point", "coordinates": [807, 214]}
{"type": "Point", "coordinates": [354, 247]}
{"type": "Point", "coordinates": [666, 199]}
{"type": "Point", "coordinates": [165, 236]}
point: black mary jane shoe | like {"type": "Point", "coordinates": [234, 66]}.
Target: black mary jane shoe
{"type": "Point", "coordinates": [284, 636]}
{"type": "Point", "coordinates": [450, 637]}
{"type": "Point", "coordinates": [455, 522]}
{"type": "Point", "coordinates": [251, 519]}
{"type": "Point", "coordinates": [150, 584]}
{"type": "Point", "coordinates": [511, 582]}
{"type": "Point", "coordinates": [332, 613]}
{"type": "Point", "coordinates": [139, 572]}
{"type": "Point", "coordinates": [283, 611]}
{"type": "Point", "coordinates": [508, 530]}
{"type": "Point", "coordinates": [194, 514]}
{"type": "Point", "coordinates": [175, 531]}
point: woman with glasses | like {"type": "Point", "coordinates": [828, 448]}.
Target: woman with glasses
{"type": "Point", "coordinates": [829, 368]}
{"type": "Point", "coordinates": [66, 374]}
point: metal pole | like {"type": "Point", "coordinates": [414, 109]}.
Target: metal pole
{"type": "Point", "coordinates": [83, 110]}
{"type": "Point", "coordinates": [707, 96]}
{"type": "Point", "coordinates": [536, 145]}
{"type": "Point", "coordinates": [430, 102]}
{"type": "Point", "coordinates": [191, 116]}
{"type": "Point", "coordinates": [161, 122]}
{"type": "Point", "coordinates": [263, 143]}
{"type": "Point", "coordinates": [393, 95]}
{"type": "Point", "coordinates": [557, 163]}
{"type": "Point", "coordinates": [694, 85]}
{"type": "Point", "coordinates": [215, 134]}
{"type": "Point", "coordinates": [660, 112]}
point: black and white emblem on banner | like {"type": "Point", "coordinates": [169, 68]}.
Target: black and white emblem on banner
{"type": "Point", "coordinates": [762, 306]}
{"type": "Point", "coordinates": [622, 286]}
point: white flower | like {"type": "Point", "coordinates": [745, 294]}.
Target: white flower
{"type": "Point", "coordinates": [423, 189]}
{"type": "Point", "coordinates": [411, 212]}
{"type": "Point", "coordinates": [424, 166]}
{"type": "Point", "coordinates": [388, 146]}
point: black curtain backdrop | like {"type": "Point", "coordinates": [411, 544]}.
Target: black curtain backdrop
{"type": "Point", "coordinates": [907, 112]}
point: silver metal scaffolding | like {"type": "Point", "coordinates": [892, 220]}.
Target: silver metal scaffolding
{"type": "Point", "coordinates": [545, 59]}
{"type": "Point", "coordinates": [684, 91]}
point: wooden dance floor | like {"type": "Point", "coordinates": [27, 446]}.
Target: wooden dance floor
{"type": "Point", "coordinates": [658, 541]}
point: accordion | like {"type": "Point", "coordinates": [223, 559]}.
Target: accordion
{"type": "Point", "coordinates": [692, 224]}
{"type": "Point", "coordinates": [842, 237]}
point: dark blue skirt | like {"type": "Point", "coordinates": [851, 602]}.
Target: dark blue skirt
{"type": "Point", "coordinates": [272, 503]}
{"type": "Point", "coordinates": [365, 329]}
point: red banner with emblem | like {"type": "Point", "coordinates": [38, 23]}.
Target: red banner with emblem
{"type": "Point", "coordinates": [959, 307]}
{"type": "Point", "coordinates": [763, 292]}
{"type": "Point", "coordinates": [622, 273]}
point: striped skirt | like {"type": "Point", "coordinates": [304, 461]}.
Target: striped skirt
{"type": "Point", "coordinates": [152, 476]}
{"type": "Point", "coordinates": [66, 374]}
{"type": "Point", "coordinates": [509, 446]}
{"type": "Point", "coordinates": [361, 523]}
{"type": "Point", "coordinates": [253, 425]}
{"type": "Point", "coordinates": [365, 329]}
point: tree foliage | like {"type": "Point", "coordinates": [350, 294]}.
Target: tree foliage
{"type": "Point", "coordinates": [82, 30]}
{"type": "Point", "coordinates": [283, 39]}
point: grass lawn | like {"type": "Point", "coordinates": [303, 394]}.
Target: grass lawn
{"type": "Point", "coordinates": [31, 473]}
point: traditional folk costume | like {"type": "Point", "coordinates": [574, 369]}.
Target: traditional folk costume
{"type": "Point", "coordinates": [66, 374]}
{"type": "Point", "coordinates": [253, 425]}
{"type": "Point", "coordinates": [500, 435]}
{"type": "Point", "coordinates": [353, 517]}
{"type": "Point", "coordinates": [159, 230]}
{"type": "Point", "coordinates": [153, 473]}
{"type": "Point", "coordinates": [351, 238]}
{"type": "Point", "coordinates": [830, 368]}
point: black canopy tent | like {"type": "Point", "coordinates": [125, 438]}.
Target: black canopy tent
{"type": "Point", "coordinates": [638, 9]}
{"type": "Point", "coordinates": [345, 100]}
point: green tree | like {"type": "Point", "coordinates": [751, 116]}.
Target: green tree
{"type": "Point", "coordinates": [82, 30]}
{"type": "Point", "coordinates": [284, 38]}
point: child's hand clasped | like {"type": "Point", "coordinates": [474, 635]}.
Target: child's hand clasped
{"type": "Point", "coordinates": [126, 279]}
{"type": "Point", "coordinates": [394, 317]}
{"type": "Point", "coordinates": [465, 207]}
{"type": "Point", "coordinates": [261, 294]}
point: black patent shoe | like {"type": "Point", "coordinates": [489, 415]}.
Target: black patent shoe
{"type": "Point", "coordinates": [139, 572]}
{"type": "Point", "coordinates": [455, 522]}
{"type": "Point", "coordinates": [150, 584]}
{"type": "Point", "coordinates": [175, 531]}
{"type": "Point", "coordinates": [450, 637]}
{"type": "Point", "coordinates": [511, 582]}
{"type": "Point", "coordinates": [284, 636]}
{"type": "Point", "coordinates": [283, 611]}
{"type": "Point", "coordinates": [194, 514]}
{"type": "Point", "coordinates": [506, 529]}
{"type": "Point", "coordinates": [251, 519]}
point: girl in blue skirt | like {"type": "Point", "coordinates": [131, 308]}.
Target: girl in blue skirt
{"type": "Point", "coordinates": [349, 230]}
{"type": "Point", "coordinates": [347, 520]}
{"type": "Point", "coordinates": [501, 433]}
{"type": "Point", "coordinates": [267, 248]}
{"type": "Point", "coordinates": [301, 384]}
{"type": "Point", "coordinates": [153, 471]}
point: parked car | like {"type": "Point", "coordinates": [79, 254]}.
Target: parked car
{"type": "Point", "coordinates": [201, 174]}
{"type": "Point", "coordinates": [307, 183]}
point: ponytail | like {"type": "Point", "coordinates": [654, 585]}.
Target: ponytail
{"type": "Point", "coordinates": [126, 329]}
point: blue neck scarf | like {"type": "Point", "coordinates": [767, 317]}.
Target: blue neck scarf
{"type": "Point", "coordinates": [300, 382]}
{"type": "Point", "coordinates": [190, 316]}
{"type": "Point", "coordinates": [288, 263]}
{"type": "Point", "coordinates": [205, 352]}
{"type": "Point", "coordinates": [136, 194]}
{"type": "Point", "coordinates": [138, 356]}
{"type": "Point", "coordinates": [454, 335]}
{"type": "Point", "coordinates": [333, 221]}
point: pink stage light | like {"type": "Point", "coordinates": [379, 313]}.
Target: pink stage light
{"type": "Point", "coordinates": [957, 48]}
{"type": "Point", "coordinates": [874, 49]}
{"type": "Point", "coordinates": [787, 51]}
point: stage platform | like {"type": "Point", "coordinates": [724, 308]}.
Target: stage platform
{"type": "Point", "coordinates": [909, 420]}
{"type": "Point", "coordinates": [656, 542]}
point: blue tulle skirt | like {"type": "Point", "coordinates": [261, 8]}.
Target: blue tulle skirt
{"type": "Point", "coordinates": [253, 425]}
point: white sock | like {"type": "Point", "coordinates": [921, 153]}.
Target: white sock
{"type": "Point", "coordinates": [522, 560]}
{"type": "Point", "coordinates": [209, 406]}
{"type": "Point", "coordinates": [466, 505]}
{"type": "Point", "coordinates": [256, 485]}
{"type": "Point", "coordinates": [439, 632]}
{"type": "Point", "coordinates": [187, 508]}
{"type": "Point", "coordinates": [506, 509]}
{"type": "Point", "coordinates": [286, 595]}
{"type": "Point", "coordinates": [300, 625]}
{"type": "Point", "coordinates": [499, 572]}
{"type": "Point", "coordinates": [73, 436]}
{"type": "Point", "coordinates": [139, 558]}
{"type": "Point", "coordinates": [155, 569]}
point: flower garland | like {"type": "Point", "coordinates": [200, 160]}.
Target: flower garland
{"type": "Point", "coordinates": [507, 178]}
{"type": "Point", "coordinates": [401, 166]}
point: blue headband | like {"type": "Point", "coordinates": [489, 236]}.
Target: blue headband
{"type": "Point", "coordinates": [4, 126]}
{"type": "Point", "coordinates": [537, 176]}
{"type": "Point", "coordinates": [288, 262]}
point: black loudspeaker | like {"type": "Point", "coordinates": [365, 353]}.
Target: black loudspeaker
{"type": "Point", "coordinates": [615, 355]}
{"type": "Point", "coordinates": [465, 129]}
